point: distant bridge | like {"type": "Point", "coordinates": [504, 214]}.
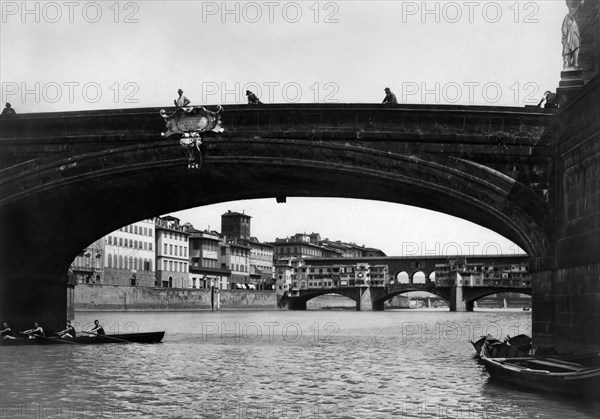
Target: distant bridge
{"type": "Point", "coordinates": [460, 298]}
{"type": "Point", "coordinates": [414, 264]}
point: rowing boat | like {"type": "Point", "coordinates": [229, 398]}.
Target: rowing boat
{"type": "Point", "coordinates": [546, 374]}
{"type": "Point", "coordinates": [147, 337]}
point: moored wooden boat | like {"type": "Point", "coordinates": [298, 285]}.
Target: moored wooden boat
{"type": "Point", "coordinates": [517, 346]}
{"type": "Point", "coordinates": [478, 344]}
{"type": "Point", "coordinates": [546, 374]}
{"type": "Point", "coordinates": [147, 337]}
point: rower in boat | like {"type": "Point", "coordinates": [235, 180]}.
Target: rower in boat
{"type": "Point", "coordinates": [69, 332]}
{"type": "Point", "coordinates": [35, 331]}
{"type": "Point", "coordinates": [6, 332]}
{"type": "Point", "coordinates": [97, 329]}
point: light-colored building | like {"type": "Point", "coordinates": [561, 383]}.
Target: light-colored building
{"type": "Point", "coordinates": [236, 257]}
{"type": "Point", "coordinates": [358, 275]}
{"type": "Point", "coordinates": [460, 272]}
{"type": "Point", "coordinates": [88, 265]}
{"type": "Point", "coordinates": [302, 245]}
{"type": "Point", "coordinates": [206, 268]}
{"type": "Point", "coordinates": [380, 276]}
{"type": "Point", "coordinates": [256, 272]}
{"type": "Point", "coordinates": [130, 255]}
{"type": "Point", "coordinates": [172, 256]}
{"type": "Point", "coordinates": [286, 276]}
{"type": "Point", "coordinates": [262, 272]}
{"type": "Point", "coordinates": [309, 277]}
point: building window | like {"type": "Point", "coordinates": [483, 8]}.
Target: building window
{"type": "Point", "coordinates": [165, 248]}
{"type": "Point", "coordinates": [149, 246]}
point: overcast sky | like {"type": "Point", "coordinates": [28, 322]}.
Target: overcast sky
{"type": "Point", "coordinates": [61, 56]}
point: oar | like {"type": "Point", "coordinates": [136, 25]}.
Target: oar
{"type": "Point", "coordinates": [50, 339]}
{"type": "Point", "coordinates": [108, 337]}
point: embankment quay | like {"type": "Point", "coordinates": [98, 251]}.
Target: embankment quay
{"type": "Point", "coordinates": [127, 298]}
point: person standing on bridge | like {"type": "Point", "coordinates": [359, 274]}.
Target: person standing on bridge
{"type": "Point", "coordinates": [8, 110]}
{"type": "Point", "coordinates": [390, 98]}
{"type": "Point", "coordinates": [252, 99]}
{"type": "Point", "coordinates": [181, 101]}
{"type": "Point", "coordinates": [550, 99]}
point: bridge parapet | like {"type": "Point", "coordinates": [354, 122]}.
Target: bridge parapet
{"type": "Point", "coordinates": [490, 131]}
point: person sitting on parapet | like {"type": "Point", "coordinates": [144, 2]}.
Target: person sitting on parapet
{"type": "Point", "coordinates": [252, 99]}
{"type": "Point", "coordinates": [69, 332]}
{"type": "Point", "coordinates": [390, 98]}
{"type": "Point", "coordinates": [181, 101]}
{"type": "Point", "coordinates": [35, 331]}
{"type": "Point", "coordinates": [97, 329]}
{"type": "Point", "coordinates": [8, 110]}
{"type": "Point", "coordinates": [7, 332]}
{"type": "Point", "coordinates": [550, 99]}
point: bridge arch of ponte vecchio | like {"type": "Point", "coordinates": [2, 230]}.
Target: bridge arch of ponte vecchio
{"type": "Point", "coordinates": [532, 175]}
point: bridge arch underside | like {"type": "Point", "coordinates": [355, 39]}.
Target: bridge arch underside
{"type": "Point", "coordinates": [299, 302]}
{"type": "Point", "coordinates": [54, 209]}
{"type": "Point", "coordinates": [439, 292]}
{"type": "Point", "coordinates": [477, 294]}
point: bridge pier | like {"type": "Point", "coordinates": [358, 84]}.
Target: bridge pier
{"type": "Point", "coordinates": [295, 304]}
{"type": "Point", "coordinates": [457, 300]}
{"type": "Point", "coordinates": [378, 305]}
{"type": "Point", "coordinates": [364, 302]}
{"type": "Point", "coordinates": [33, 297]}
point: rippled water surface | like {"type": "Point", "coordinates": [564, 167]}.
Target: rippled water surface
{"type": "Point", "coordinates": [312, 364]}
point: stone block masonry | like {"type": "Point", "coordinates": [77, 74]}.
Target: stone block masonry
{"type": "Point", "coordinates": [127, 298]}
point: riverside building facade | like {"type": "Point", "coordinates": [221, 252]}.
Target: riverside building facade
{"type": "Point", "coordinates": [206, 268]}
{"type": "Point", "coordinates": [130, 256]}
{"type": "Point", "coordinates": [88, 265]}
{"type": "Point", "coordinates": [250, 261]}
{"type": "Point", "coordinates": [172, 257]}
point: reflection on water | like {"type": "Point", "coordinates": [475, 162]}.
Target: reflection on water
{"type": "Point", "coordinates": [341, 364]}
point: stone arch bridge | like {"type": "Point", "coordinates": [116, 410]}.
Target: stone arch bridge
{"type": "Point", "coordinates": [67, 178]}
{"type": "Point", "coordinates": [373, 298]}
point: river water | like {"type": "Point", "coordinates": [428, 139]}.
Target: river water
{"type": "Point", "coordinates": [273, 364]}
